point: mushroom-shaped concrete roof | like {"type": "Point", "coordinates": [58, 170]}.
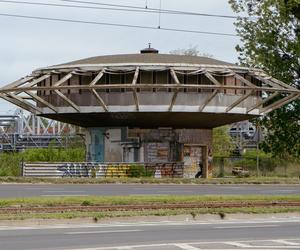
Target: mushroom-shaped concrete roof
{"type": "Point", "coordinates": [148, 58]}
{"type": "Point", "coordinates": [149, 90]}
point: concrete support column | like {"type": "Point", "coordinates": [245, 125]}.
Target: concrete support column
{"type": "Point", "coordinates": [95, 144]}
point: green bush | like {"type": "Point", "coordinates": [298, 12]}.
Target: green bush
{"type": "Point", "coordinates": [54, 155]}
{"type": "Point", "coordinates": [267, 163]}
{"type": "Point", "coordinates": [137, 171]}
{"type": "Point", "coordinates": [10, 162]}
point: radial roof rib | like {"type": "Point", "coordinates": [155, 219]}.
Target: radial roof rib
{"type": "Point", "coordinates": [135, 96]}
{"type": "Point", "coordinates": [97, 78]}
{"type": "Point", "coordinates": [271, 80]}
{"type": "Point", "coordinates": [34, 82]}
{"type": "Point", "coordinates": [237, 102]}
{"type": "Point", "coordinates": [100, 100]}
{"type": "Point", "coordinates": [18, 103]}
{"type": "Point", "coordinates": [278, 82]}
{"type": "Point", "coordinates": [212, 79]}
{"type": "Point", "coordinates": [37, 80]}
{"type": "Point", "coordinates": [214, 93]}
{"type": "Point", "coordinates": [74, 106]}
{"type": "Point", "coordinates": [267, 81]}
{"type": "Point", "coordinates": [174, 76]}
{"type": "Point", "coordinates": [19, 82]}
{"type": "Point", "coordinates": [282, 83]}
{"type": "Point", "coordinates": [261, 102]}
{"type": "Point", "coordinates": [61, 95]}
{"type": "Point", "coordinates": [280, 103]}
{"type": "Point", "coordinates": [243, 80]}
{"type": "Point", "coordinates": [62, 80]}
{"type": "Point", "coordinates": [95, 93]}
{"type": "Point", "coordinates": [21, 100]}
{"type": "Point", "coordinates": [244, 97]}
{"type": "Point", "coordinates": [41, 100]}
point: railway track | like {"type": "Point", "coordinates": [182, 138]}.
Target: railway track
{"type": "Point", "coordinates": [140, 207]}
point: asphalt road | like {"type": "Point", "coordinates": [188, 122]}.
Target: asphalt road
{"type": "Point", "coordinates": [228, 234]}
{"type": "Point", "coordinates": [29, 190]}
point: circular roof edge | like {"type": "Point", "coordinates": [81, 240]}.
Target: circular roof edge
{"type": "Point", "coordinates": [157, 66]}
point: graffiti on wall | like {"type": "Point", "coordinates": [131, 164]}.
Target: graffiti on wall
{"type": "Point", "coordinates": [98, 170]}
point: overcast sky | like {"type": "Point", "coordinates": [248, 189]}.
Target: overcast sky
{"type": "Point", "coordinates": [29, 44]}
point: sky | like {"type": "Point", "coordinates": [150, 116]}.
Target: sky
{"type": "Point", "coordinates": [27, 44]}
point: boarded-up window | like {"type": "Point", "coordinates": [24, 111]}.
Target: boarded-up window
{"type": "Point", "coordinates": [115, 79]}
{"type": "Point", "coordinates": [146, 77]}
{"type": "Point", "coordinates": [230, 81]}
{"type": "Point", "coordinates": [162, 78]}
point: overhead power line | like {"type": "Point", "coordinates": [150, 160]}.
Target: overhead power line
{"type": "Point", "coordinates": [116, 7]}
{"type": "Point", "coordinates": [168, 11]}
{"type": "Point", "coordinates": [116, 24]}
{"type": "Point", "coordinates": [75, 6]}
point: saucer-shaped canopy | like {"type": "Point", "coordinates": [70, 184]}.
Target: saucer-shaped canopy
{"type": "Point", "coordinates": [149, 90]}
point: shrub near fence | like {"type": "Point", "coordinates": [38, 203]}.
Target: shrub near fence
{"type": "Point", "coordinates": [10, 162]}
{"type": "Point", "coordinates": [267, 166]}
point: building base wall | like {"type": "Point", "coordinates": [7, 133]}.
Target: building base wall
{"type": "Point", "coordinates": [192, 147]}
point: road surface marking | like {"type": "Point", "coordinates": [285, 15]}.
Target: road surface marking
{"type": "Point", "coordinates": [285, 242]}
{"type": "Point", "coordinates": [237, 244]}
{"type": "Point", "coordinates": [63, 191]}
{"type": "Point", "coordinates": [150, 224]}
{"type": "Point", "coordinates": [56, 195]}
{"type": "Point", "coordinates": [186, 247]}
{"type": "Point", "coordinates": [103, 232]}
{"type": "Point", "coordinates": [258, 226]}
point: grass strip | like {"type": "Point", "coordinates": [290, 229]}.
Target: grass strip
{"type": "Point", "coordinates": [95, 216]}
{"type": "Point", "coordinates": [146, 180]}
{"type": "Point", "coordinates": [132, 200]}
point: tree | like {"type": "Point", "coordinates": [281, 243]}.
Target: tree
{"type": "Point", "coordinates": [270, 37]}
{"type": "Point", "coordinates": [190, 51]}
{"type": "Point", "coordinates": [222, 141]}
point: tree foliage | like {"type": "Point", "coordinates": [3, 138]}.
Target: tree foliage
{"type": "Point", "coordinates": [222, 141]}
{"type": "Point", "coordinates": [190, 51]}
{"type": "Point", "coordinates": [10, 162]}
{"type": "Point", "coordinates": [270, 39]}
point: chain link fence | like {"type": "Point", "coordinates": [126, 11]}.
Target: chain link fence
{"type": "Point", "coordinates": [255, 166]}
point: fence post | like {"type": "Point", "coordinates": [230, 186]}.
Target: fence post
{"type": "Point", "coordinates": [257, 149]}
{"type": "Point", "coordinates": [222, 170]}
{"type": "Point", "coordinates": [205, 173]}
{"type": "Point", "coordinates": [146, 170]}
{"type": "Point", "coordinates": [22, 167]}
{"type": "Point", "coordinates": [173, 170]}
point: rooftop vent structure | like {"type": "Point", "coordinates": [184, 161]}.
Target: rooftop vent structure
{"type": "Point", "coordinates": [149, 50]}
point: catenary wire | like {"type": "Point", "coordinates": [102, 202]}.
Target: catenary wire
{"type": "Point", "coordinates": [116, 24]}
{"type": "Point", "coordinates": [168, 11]}
{"type": "Point", "coordinates": [77, 6]}
{"type": "Point", "coordinates": [115, 7]}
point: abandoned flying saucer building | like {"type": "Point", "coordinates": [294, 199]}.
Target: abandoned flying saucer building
{"type": "Point", "coordinates": [149, 107]}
